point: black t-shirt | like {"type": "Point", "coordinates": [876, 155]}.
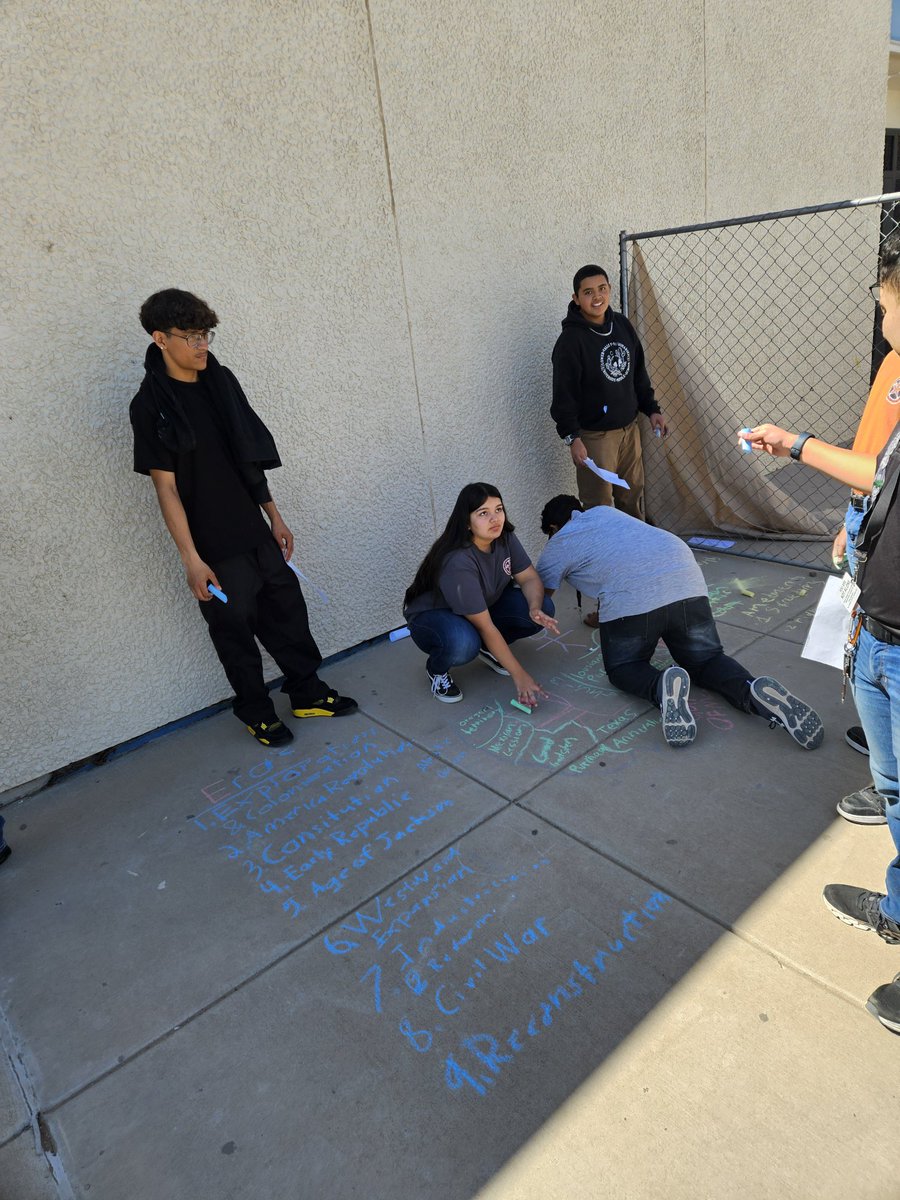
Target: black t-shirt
{"type": "Point", "coordinates": [880, 594]}
{"type": "Point", "coordinates": [223, 517]}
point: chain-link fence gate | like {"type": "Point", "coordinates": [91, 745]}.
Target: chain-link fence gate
{"type": "Point", "coordinates": [762, 318]}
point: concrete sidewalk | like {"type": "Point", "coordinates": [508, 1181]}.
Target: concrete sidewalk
{"type": "Point", "coordinates": [441, 952]}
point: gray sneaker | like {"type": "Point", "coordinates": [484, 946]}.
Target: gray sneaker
{"type": "Point", "coordinates": [865, 807]}
{"type": "Point", "coordinates": [678, 724]}
{"type": "Point", "coordinates": [780, 707]}
{"type": "Point", "coordinates": [884, 1003]}
{"type": "Point", "coordinates": [861, 909]}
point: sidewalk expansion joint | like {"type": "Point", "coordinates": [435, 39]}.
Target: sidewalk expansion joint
{"type": "Point", "coordinates": [748, 939]}
{"type": "Point", "coordinates": [126, 1060]}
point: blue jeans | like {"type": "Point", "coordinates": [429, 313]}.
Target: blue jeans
{"type": "Point", "coordinates": [689, 631]}
{"type": "Point", "coordinates": [449, 640]}
{"type": "Point", "coordinates": [876, 690]}
{"type": "Point", "coordinates": [852, 522]}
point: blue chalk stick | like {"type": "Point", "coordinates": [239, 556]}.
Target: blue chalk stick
{"type": "Point", "coordinates": [746, 448]}
{"type": "Point", "coordinates": [396, 634]}
{"type": "Point", "coordinates": [217, 592]}
{"type": "Point", "coordinates": [521, 707]}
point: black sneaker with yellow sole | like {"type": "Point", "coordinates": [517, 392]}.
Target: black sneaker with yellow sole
{"type": "Point", "coordinates": [271, 733]}
{"type": "Point", "coordinates": [331, 705]}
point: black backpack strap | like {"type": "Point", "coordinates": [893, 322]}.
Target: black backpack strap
{"type": "Point", "coordinates": [873, 521]}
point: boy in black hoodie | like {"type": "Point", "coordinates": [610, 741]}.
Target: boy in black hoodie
{"type": "Point", "coordinates": [206, 451]}
{"type": "Point", "coordinates": [600, 383]}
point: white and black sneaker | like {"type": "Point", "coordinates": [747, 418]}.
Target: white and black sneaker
{"type": "Point", "coordinates": [774, 702]}
{"type": "Point", "coordinates": [856, 737]}
{"type": "Point", "coordinates": [443, 688]}
{"type": "Point", "coordinates": [865, 807]}
{"type": "Point", "coordinates": [678, 724]}
{"type": "Point", "coordinates": [489, 661]}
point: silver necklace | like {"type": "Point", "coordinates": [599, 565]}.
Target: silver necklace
{"type": "Point", "coordinates": [599, 332]}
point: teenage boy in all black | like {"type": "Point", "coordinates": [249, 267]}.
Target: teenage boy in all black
{"type": "Point", "coordinates": [874, 657]}
{"type": "Point", "coordinates": [600, 384]}
{"type": "Point", "coordinates": [207, 452]}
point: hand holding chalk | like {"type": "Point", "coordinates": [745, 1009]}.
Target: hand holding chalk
{"type": "Point", "coordinates": [217, 592]}
{"type": "Point", "coordinates": [529, 692]}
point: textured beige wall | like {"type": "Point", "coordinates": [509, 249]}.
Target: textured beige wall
{"type": "Point", "coordinates": [892, 107]}
{"type": "Point", "coordinates": [239, 150]}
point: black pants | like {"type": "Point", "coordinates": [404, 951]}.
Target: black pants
{"type": "Point", "coordinates": [689, 631]}
{"type": "Point", "coordinates": [265, 602]}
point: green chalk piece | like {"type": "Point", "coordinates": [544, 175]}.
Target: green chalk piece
{"type": "Point", "coordinates": [521, 707]}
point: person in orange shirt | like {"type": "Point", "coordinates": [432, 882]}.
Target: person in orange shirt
{"type": "Point", "coordinates": [882, 411]}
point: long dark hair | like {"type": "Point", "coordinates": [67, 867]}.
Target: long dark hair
{"type": "Point", "coordinates": [456, 536]}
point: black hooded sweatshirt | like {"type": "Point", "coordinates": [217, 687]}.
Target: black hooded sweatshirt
{"type": "Point", "coordinates": [600, 380]}
{"type": "Point", "coordinates": [207, 434]}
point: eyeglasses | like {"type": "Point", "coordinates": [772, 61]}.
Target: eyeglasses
{"type": "Point", "coordinates": [195, 340]}
{"type": "Point", "coordinates": [875, 292]}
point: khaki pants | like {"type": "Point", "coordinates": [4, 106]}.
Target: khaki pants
{"type": "Point", "coordinates": [616, 450]}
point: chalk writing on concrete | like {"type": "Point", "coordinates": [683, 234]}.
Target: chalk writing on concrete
{"type": "Point", "coordinates": [622, 743]}
{"type": "Point", "coordinates": [300, 828]}
{"type": "Point", "coordinates": [763, 605]}
{"type": "Point", "coordinates": [557, 732]}
{"type": "Point", "coordinates": [426, 948]}
{"type": "Point", "coordinates": [578, 981]}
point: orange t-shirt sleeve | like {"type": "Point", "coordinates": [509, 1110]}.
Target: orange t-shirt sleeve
{"type": "Point", "coordinates": [882, 408]}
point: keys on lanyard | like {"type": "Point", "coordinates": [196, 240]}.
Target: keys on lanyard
{"type": "Point", "coordinates": [856, 620]}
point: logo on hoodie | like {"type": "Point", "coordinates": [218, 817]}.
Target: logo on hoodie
{"type": "Point", "coordinates": [615, 362]}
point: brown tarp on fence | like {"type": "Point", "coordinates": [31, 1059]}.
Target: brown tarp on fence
{"type": "Point", "coordinates": [766, 318]}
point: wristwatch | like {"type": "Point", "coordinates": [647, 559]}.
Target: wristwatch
{"type": "Point", "coordinates": [797, 448]}
{"type": "Point", "coordinates": [570, 438]}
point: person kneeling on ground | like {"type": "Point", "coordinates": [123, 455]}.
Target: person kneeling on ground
{"type": "Point", "coordinates": [462, 604]}
{"type": "Point", "coordinates": [649, 586]}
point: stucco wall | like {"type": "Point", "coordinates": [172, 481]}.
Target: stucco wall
{"type": "Point", "coordinates": [385, 204]}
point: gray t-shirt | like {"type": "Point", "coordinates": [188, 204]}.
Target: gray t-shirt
{"type": "Point", "coordinates": [631, 567]}
{"type": "Point", "coordinates": [470, 580]}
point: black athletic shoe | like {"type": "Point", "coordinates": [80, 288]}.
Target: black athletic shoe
{"type": "Point", "coordinates": [884, 1003]}
{"type": "Point", "coordinates": [443, 688]}
{"type": "Point", "coordinates": [861, 909]}
{"type": "Point", "coordinates": [271, 733]}
{"type": "Point", "coordinates": [5, 852]}
{"type": "Point", "coordinates": [855, 737]}
{"type": "Point", "coordinates": [678, 724]}
{"type": "Point", "coordinates": [780, 707]}
{"type": "Point", "coordinates": [489, 661]}
{"type": "Point", "coordinates": [865, 807]}
{"type": "Point", "coordinates": [331, 705]}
